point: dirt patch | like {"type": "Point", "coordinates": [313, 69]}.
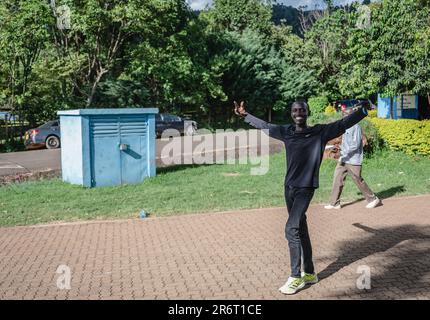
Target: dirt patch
{"type": "Point", "coordinates": [29, 176]}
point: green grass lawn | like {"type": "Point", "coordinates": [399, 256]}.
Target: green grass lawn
{"type": "Point", "coordinates": [192, 188]}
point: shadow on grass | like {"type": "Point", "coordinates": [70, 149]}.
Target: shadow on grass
{"type": "Point", "coordinates": [391, 192]}
{"type": "Point", "coordinates": [408, 268]}
{"type": "Point", "coordinates": [180, 167]}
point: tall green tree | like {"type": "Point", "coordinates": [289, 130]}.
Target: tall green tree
{"type": "Point", "coordinates": [23, 36]}
{"type": "Point", "coordinates": [261, 75]}
{"type": "Point", "coordinates": [324, 50]}
{"type": "Point", "coordinates": [418, 56]}
{"type": "Point", "coordinates": [240, 15]}
{"type": "Point", "coordinates": [100, 30]}
{"type": "Point", "coordinates": [390, 56]}
{"type": "Point", "coordinates": [180, 67]}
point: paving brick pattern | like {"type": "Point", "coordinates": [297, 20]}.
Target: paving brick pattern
{"type": "Point", "coordinates": [227, 255]}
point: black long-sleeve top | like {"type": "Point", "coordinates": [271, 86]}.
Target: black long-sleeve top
{"type": "Point", "coordinates": [305, 149]}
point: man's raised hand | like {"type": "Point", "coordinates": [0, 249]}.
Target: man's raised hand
{"type": "Point", "coordinates": [240, 109]}
{"type": "Point", "coordinates": [365, 104]}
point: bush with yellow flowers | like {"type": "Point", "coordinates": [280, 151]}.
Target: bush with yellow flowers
{"type": "Point", "coordinates": [409, 136]}
{"type": "Point", "coordinates": [330, 109]}
{"type": "Point", "coordinates": [373, 113]}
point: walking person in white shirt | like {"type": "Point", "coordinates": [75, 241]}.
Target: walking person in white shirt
{"type": "Point", "coordinates": [351, 158]}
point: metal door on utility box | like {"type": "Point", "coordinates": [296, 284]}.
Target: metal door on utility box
{"type": "Point", "coordinates": [118, 149]}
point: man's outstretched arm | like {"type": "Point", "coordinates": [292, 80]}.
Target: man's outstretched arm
{"type": "Point", "coordinates": [273, 130]}
{"type": "Point", "coordinates": [339, 127]}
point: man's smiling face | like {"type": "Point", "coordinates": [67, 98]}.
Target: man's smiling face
{"type": "Point", "coordinates": [299, 113]}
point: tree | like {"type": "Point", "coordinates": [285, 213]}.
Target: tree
{"type": "Point", "coordinates": [114, 53]}
{"type": "Point", "coordinates": [99, 34]}
{"type": "Point", "coordinates": [23, 36]}
{"type": "Point", "coordinates": [389, 57]}
{"type": "Point", "coordinates": [323, 51]}
{"type": "Point", "coordinates": [256, 72]}
{"type": "Point", "coordinates": [180, 69]}
{"type": "Point", "coordinates": [287, 15]}
{"type": "Point", "coordinates": [262, 76]}
{"type": "Point", "coordinates": [240, 15]}
{"type": "Point", "coordinates": [418, 56]}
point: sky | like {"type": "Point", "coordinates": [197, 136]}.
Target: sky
{"type": "Point", "coordinates": [201, 4]}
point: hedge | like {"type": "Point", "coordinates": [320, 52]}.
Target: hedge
{"type": "Point", "coordinates": [409, 136]}
{"type": "Point", "coordinates": [373, 114]}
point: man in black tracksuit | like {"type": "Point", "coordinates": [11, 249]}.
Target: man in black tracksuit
{"type": "Point", "coordinates": [304, 147]}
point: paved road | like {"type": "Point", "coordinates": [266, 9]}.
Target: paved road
{"type": "Point", "coordinates": [226, 255]}
{"type": "Point", "coordinates": [40, 160]}
{"type": "Point", "coordinates": [28, 161]}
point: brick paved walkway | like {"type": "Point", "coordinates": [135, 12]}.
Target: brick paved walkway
{"type": "Point", "coordinates": [230, 255]}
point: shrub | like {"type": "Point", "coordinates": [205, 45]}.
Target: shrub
{"type": "Point", "coordinates": [318, 104]}
{"type": "Point", "coordinates": [374, 140]}
{"type": "Point", "coordinates": [323, 118]}
{"type": "Point", "coordinates": [12, 146]}
{"type": "Point", "coordinates": [409, 136]}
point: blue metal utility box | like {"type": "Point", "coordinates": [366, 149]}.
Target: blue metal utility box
{"type": "Point", "coordinates": [404, 106]}
{"type": "Point", "coordinates": [107, 147]}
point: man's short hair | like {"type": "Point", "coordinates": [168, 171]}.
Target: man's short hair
{"type": "Point", "coordinates": [300, 103]}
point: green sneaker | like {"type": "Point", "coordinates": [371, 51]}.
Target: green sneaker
{"type": "Point", "coordinates": [309, 278]}
{"type": "Point", "coordinates": [292, 285]}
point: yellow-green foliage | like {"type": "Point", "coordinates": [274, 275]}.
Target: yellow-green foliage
{"type": "Point", "coordinates": [410, 136]}
{"type": "Point", "coordinates": [373, 113]}
{"type": "Point", "coordinates": [330, 109]}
